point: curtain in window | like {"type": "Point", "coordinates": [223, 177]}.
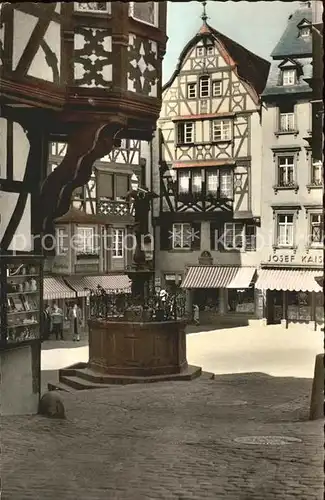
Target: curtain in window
{"type": "Point", "coordinates": [197, 182]}
{"type": "Point", "coordinates": [121, 186]}
{"type": "Point", "coordinates": [212, 182]}
{"type": "Point", "coordinates": [226, 185]}
{"type": "Point", "coordinates": [184, 182]}
{"type": "Point", "coordinates": [105, 185]}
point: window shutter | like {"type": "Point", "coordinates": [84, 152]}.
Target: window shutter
{"type": "Point", "coordinates": [165, 237]}
{"type": "Point", "coordinates": [250, 238]}
{"type": "Point", "coordinates": [196, 236]}
{"type": "Point", "coordinates": [105, 185]}
{"type": "Point", "coordinates": [121, 186]}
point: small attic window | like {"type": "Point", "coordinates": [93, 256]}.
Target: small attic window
{"type": "Point", "coordinates": [304, 31]}
{"type": "Point", "coordinates": [289, 77]}
{"type": "Point", "coordinates": [210, 50]}
{"type": "Point", "coordinates": [199, 51]}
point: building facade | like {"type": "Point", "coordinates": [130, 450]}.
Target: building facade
{"type": "Point", "coordinates": [94, 240]}
{"type": "Point", "coordinates": [209, 177]}
{"type": "Point", "coordinates": [291, 246]}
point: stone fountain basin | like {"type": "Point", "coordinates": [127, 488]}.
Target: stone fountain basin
{"type": "Point", "coordinates": [130, 348]}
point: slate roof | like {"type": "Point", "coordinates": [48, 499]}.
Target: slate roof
{"type": "Point", "coordinates": [291, 44]}
{"type": "Point", "coordinates": [298, 50]}
{"type": "Point", "coordinates": [274, 88]}
{"type": "Point", "coordinates": [250, 67]}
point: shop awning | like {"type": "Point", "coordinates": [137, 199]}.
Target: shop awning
{"type": "Point", "coordinates": [294, 280]}
{"type": "Point", "coordinates": [209, 276]}
{"type": "Point", "coordinates": [110, 282]}
{"type": "Point", "coordinates": [243, 278]}
{"type": "Point", "coordinates": [55, 288]}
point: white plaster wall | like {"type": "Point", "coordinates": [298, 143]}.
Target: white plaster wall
{"type": "Point", "coordinates": [255, 140]}
{"type": "Point", "coordinates": [23, 27]}
{"type": "Point", "coordinates": [22, 240]}
{"type": "Point", "coordinates": [20, 152]}
{"type": "Point", "coordinates": [39, 67]}
{"type": "Point", "coordinates": [287, 197]}
{"type": "Point", "coordinates": [16, 395]}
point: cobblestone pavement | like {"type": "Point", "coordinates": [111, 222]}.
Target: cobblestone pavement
{"type": "Point", "coordinates": [169, 441]}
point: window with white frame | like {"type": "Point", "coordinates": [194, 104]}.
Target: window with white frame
{"type": "Point", "coordinates": [316, 230]}
{"type": "Point", "coordinates": [226, 184]}
{"type": "Point", "coordinates": [217, 88]}
{"type": "Point", "coordinates": [197, 181]}
{"type": "Point", "coordinates": [191, 90]}
{"type": "Point", "coordinates": [316, 173]}
{"type": "Point", "coordinates": [287, 118]}
{"type": "Point", "coordinates": [305, 31]}
{"type": "Point", "coordinates": [285, 230]}
{"type": "Point", "coordinates": [184, 181]}
{"type": "Point", "coordinates": [182, 236]}
{"type": "Point", "coordinates": [61, 237]}
{"type": "Point", "coordinates": [118, 243]}
{"type": "Point", "coordinates": [286, 165]}
{"type": "Point", "coordinates": [289, 76]}
{"type": "Point", "coordinates": [233, 236]}
{"type": "Point", "coordinates": [212, 182]}
{"type": "Point", "coordinates": [221, 130]}
{"type": "Point", "coordinates": [92, 6]}
{"type": "Point", "coordinates": [210, 50]}
{"type": "Point", "coordinates": [146, 12]}
{"type": "Point", "coordinates": [204, 86]}
{"type": "Point", "coordinates": [185, 132]}
{"type": "Point", "coordinates": [200, 51]}
{"type": "Point", "coordinates": [85, 240]}
{"type": "Point", "coordinates": [58, 148]}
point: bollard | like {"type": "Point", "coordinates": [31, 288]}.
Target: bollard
{"type": "Point", "coordinates": [51, 405]}
{"type": "Point", "coordinates": [317, 394]}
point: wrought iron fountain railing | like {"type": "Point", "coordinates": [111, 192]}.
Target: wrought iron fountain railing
{"type": "Point", "coordinates": [120, 306]}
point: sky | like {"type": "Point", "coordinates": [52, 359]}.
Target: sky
{"type": "Point", "coordinates": [255, 25]}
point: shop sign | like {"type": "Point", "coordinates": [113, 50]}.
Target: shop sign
{"type": "Point", "coordinates": [291, 259]}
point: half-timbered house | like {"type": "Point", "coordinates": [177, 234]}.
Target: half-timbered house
{"type": "Point", "coordinates": [94, 240]}
{"type": "Point", "coordinates": [210, 174]}
{"type": "Point", "coordinates": [87, 75]}
{"type": "Point", "coordinates": [292, 213]}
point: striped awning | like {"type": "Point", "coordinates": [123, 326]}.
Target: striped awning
{"type": "Point", "coordinates": [294, 280]}
{"type": "Point", "coordinates": [55, 288]}
{"type": "Point", "coordinates": [243, 278]}
{"type": "Point", "coordinates": [209, 276]}
{"type": "Point", "coordinates": [110, 282]}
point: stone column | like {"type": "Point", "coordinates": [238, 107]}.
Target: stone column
{"type": "Point", "coordinates": [205, 236]}
{"type": "Point", "coordinates": [222, 301]}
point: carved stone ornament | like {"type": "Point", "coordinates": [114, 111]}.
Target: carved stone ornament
{"type": "Point", "coordinates": [206, 259]}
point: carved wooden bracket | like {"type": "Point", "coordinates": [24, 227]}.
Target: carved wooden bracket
{"type": "Point", "coordinates": [86, 144]}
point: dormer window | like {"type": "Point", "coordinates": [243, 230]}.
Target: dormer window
{"type": "Point", "coordinates": [305, 31]}
{"type": "Point", "coordinates": [205, 86]}
{"type": "Point", "coordinates": [289, 77]}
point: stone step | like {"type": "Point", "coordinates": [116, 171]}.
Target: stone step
{"type": "Point", "coordinates": [79, 383]}
{"type": "Point", "coordinates": [99, 379]}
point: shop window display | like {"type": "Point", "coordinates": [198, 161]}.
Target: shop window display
{"type": "Point", "coordinates": [241, 301]}
{"type": "Point", "coordinates": [207, 299]}
{"type": "Point", "coordinates": [299, 306]}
